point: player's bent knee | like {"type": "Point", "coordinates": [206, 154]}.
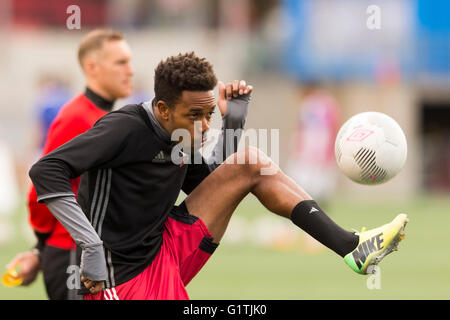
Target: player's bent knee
{"type": "Point", "coordinates": [253, 161]}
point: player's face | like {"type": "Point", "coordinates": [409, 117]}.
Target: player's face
{"type": "Point", "coordinates": [114, 71]}
{"type": "Point", "coordinates": [193, 113]}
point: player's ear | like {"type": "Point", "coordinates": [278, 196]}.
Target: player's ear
{"type": "Point", "coordinates": [89, 66]}
{"type": "Point", "coordinates": [163, 109]}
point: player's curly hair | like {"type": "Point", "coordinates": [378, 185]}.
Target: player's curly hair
{"type": "Point", "coordinates": [182, 72]}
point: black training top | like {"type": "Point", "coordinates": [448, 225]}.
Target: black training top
{"type": "Point", "coordinates": [128, 188]}
{"type": "Point", "coordinates": [129, 182]}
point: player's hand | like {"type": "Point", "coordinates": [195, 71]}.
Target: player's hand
{"type": "Point", "coordinates": [93, 266]}
{"type": "Point", "coordinates": [94, 287]}
{"type": "Point", "coordinates": [29, 266]}
{"type": "Point", "coordinates": [231, 90]}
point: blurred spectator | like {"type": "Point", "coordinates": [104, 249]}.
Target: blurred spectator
{"type": "Point", "coordinates": [312, 162]}
{"type": "Point", "coordinates": [53, 93]}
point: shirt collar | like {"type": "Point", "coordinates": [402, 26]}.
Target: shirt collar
{"type": "Point", "coordinates": [160, 131]}
{"type": "Point", "coordinates": [98, 101]}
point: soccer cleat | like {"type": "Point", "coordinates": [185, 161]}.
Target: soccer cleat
{"type": "Point", "coordinates": [375, 244]}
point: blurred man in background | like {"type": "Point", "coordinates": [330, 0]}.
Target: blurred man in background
{"type": "Point", "coordinates": [105, 59]}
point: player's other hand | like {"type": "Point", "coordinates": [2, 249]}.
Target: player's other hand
{"type": "Point", "coordinates": [28, 265]}
{"type": "Point", "coordinates": [231, 90]}
{"type": "Point", "coordinates": [94, 287]}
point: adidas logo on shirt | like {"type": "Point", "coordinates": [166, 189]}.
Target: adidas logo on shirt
{"type": "Point", "coordinates": [162, 158]}
{"type": "Point", "coordinates": [159, 158]}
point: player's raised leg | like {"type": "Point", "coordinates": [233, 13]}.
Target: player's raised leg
{"type": "Point", "coordinates": [241, 174]}
{"type": "Point", "coordinates": [235, 178]}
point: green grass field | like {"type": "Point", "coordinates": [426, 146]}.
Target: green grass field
{"type": "Point", "coordinates": [419, 270]}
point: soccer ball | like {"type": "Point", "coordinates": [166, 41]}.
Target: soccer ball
{"type": "Point", "coordinates": [370, 148]}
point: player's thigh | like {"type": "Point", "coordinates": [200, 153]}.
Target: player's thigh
{"type": "Point", "coordinates": [216, 197]}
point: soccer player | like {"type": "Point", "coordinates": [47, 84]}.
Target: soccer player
{"type": "Point", "coordinates": [105, 59]}
{"type": "Point", "coordinates": [134, 240]}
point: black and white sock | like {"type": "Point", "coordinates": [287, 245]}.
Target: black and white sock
{"type": "Point", "coordinates": [308, 216]}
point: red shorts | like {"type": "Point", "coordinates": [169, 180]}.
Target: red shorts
{"type": "Point", "coordinates": [187, 245]}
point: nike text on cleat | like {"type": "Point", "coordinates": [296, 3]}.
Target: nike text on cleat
{"type": "Point", "coordinates": [375, 244]}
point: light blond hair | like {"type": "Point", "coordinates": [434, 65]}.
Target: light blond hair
{"type": "Point", "coordinates": [94, 41]}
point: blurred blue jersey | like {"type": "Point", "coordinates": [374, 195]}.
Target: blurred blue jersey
{"type": "Point", "coordinates": [49, 102]}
